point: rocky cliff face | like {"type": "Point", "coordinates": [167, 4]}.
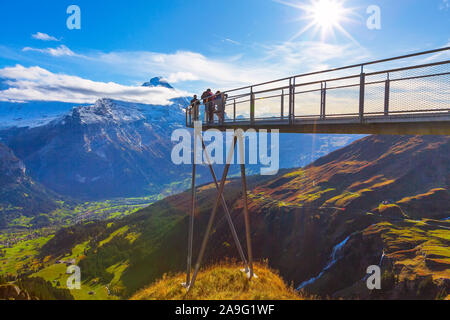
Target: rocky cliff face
{"type": "Point", "coordinates": [13, 292]}
{"type": "Point", "coordinates": [12, 170]}
{"type": "Point", "coordinates": [19, 194]}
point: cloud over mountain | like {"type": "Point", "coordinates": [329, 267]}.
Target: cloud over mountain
{"type": "Point", "coordinates": [38, 84]}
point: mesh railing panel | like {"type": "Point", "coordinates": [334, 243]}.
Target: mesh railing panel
{"type": "Point", "coordinates": [398, 91]}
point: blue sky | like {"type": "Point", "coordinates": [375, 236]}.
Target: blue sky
{"type": "Point", "coordinates": [195, 43]}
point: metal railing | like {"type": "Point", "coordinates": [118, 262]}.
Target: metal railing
{"type": "Point", "coordinates": [382, 88]}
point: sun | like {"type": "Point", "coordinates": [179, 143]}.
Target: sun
{"type": "Point", "coordinates": [324, 16]}
{"type": "Point", "coordinates": [327, 13]}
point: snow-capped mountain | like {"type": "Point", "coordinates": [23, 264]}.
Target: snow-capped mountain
{"type": "Point", "coordinates": [113, 111]}
{"type": "Point", "coordinates": [38, 113]}
{"type": "Point", "coordinates": [157, 82]}
{"type": "Point", "coordinates": [31, 114]}
{"type": "Point", "coordinates": [109, 149]}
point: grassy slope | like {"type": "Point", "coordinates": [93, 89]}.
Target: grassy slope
{"type": "Point", "coordinates": [22, 256]}
{"type": "Point", "coordinates": [356, 186]}
{"type": "Point", "coordinates": [56, 273]}
{"type": "Point", "coordinates": [418, 248]}
{"type": "Point", "coordinates": [69, 213]}
{"type": "Point", "coordinates": [222, 282]}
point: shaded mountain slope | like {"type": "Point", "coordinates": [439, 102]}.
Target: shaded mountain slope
{"type": "Point", "coordinates": [19, 194]}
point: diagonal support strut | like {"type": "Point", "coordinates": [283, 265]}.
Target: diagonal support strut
{"type": "Point", "coordinates": [227, 212]}
{"type": "Point", "coordinates": [220, 199]}
{"type": "Point", "coordinates": [213, 215]}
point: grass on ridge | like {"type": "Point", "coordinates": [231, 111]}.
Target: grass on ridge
{"type": "Point", "coordinates": [222, 282]}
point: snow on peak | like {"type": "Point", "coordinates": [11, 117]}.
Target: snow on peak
{"type": "Point", "coordinates": [106, 110]}
{"type": "Point", "coordinates": [157, 82]}
{"type": "Point", "coordinates": [112, 111]}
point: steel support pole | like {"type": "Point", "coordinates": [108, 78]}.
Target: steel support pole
{"type": "Point", "coordinates": [362, 87]}
{"type": "Point", "coordinates": [323, 100]}
{"type": "Point", "coordinates": [213, 215]}
{"type": "Point", "coordinates": [190, 117]}
{"type": "Point", "coordinates": [282, 104]}
{"type": "Point", "coordinates": [191, 218]}
{"type": "Point", "coordinates": [293, 101]}
{"type": "Point", "coordinates": [222, 110]}
{"type": "Point", "coordinates": [387, 89]}
{"type": "Point", "coordinates": [245, 200]}
{"type": "Point", "coordinates": [227, 211]}
{"type": "Point", "coordinates": [252, 106]}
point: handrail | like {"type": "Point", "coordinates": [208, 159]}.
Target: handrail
{"type": "Point", "coordinates": [333, 70]}
{"type": "Point", "coordinates": [361, 79]}
{"type": "Point", "coordinates": [343, 68]}
{"type": "Point", "coordinates": [344, 78]}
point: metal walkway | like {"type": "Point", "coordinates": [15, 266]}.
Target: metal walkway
{"type": "Point", "coordinates": [403, 95]}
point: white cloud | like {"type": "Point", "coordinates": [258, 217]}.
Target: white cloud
{"type": "Point", "coordinates": [38, 84]}
{"type": "Point", "coordinates": [305, 56]}
{"type": "Point", "coordinates": [277, 60]}
{"type": "Point", "coordinates": [181, 76]}
{"type": "Point", "coordinates": [270, 62]}
{"type": "Point", "coordinates": [44, 37]}
{"type": "Point", "coordinates": [445, 5]}
{"type": "Point", "coordinates": [180, 66]}
{"type": "Point", "coordinates": [60, 51]}
{"type": "Point", "coordinates": [231, 41]}
{"type": "Point", "coordinates": [437, 56]}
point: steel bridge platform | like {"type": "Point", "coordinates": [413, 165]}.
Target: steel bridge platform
{"type": "Point", "coordinates": [391, 96]}
{"type": "Point", "coordinates": [426, 124]}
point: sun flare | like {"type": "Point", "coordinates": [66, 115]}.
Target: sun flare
{"type": "Point", "coordinates": [327, 13]}
{"type": "Point", "coordinates": [323, 16]}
